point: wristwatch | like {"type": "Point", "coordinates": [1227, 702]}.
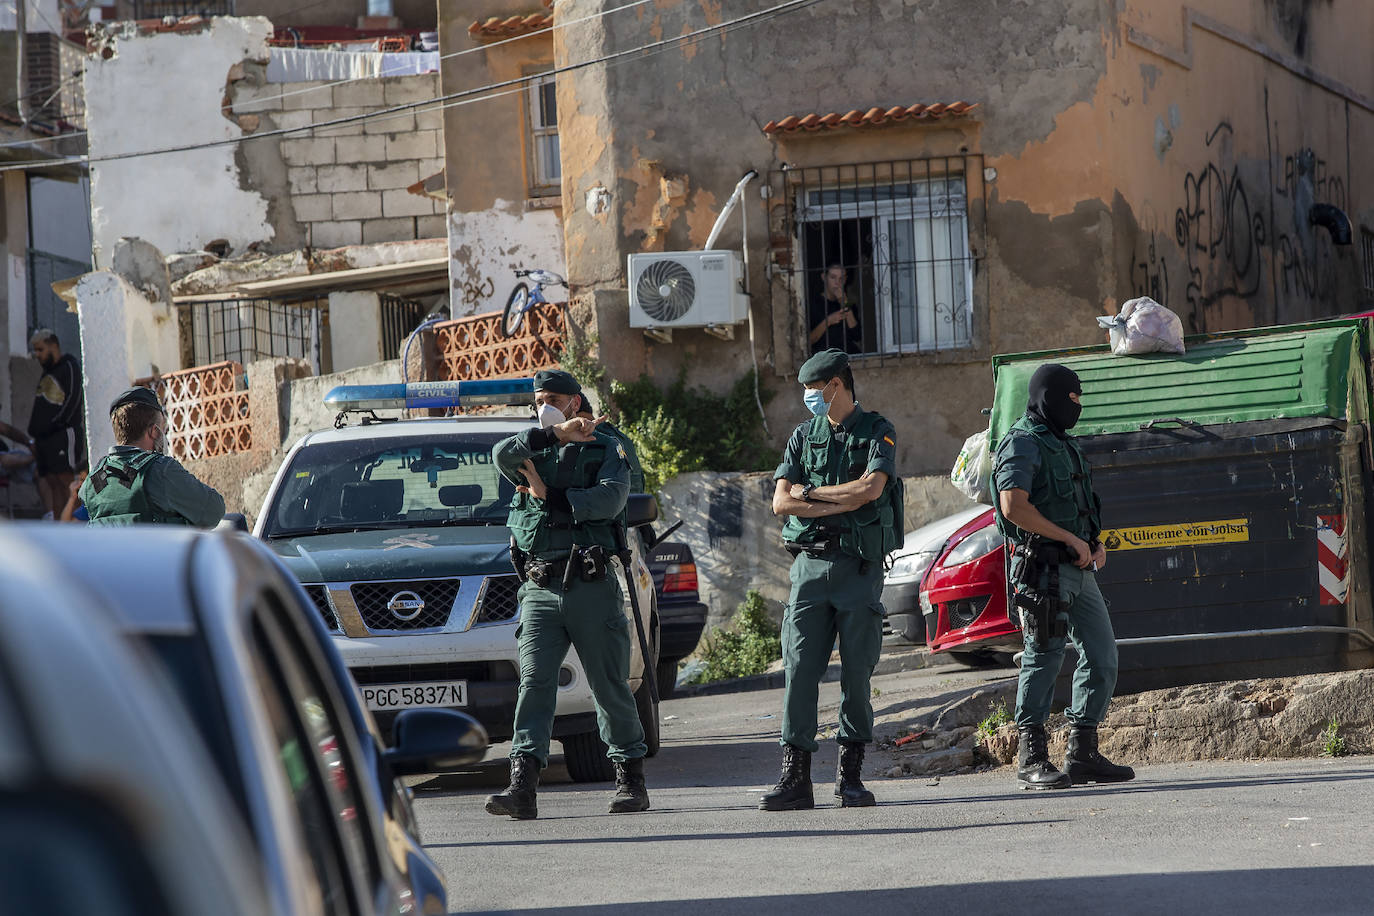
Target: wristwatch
{"type": "Point", "coordinates": [806, 492]}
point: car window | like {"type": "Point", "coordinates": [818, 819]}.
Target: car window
{"type": "Point", "coordinates": [393, 482]}
{"type": "Point", "coordinates": [305, 778]}
{"type": "Point", "coordinates": [62, 853]}
{"type": "Point", "coordinates": [192, 674]}
{"type": "Point", "coordinates": [323, 723]}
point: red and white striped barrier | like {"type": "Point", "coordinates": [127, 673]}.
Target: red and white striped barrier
{"type": "Point", "coordinates": [1332, 569]}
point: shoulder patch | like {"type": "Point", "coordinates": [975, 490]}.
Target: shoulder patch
{"type": "Point", "coordinates": [888, 440]}
{"type": "Point", "coordinates": [620, 450]}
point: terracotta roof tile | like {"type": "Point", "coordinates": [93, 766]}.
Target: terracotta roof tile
{"type": "Point", "coordinates": [510, 27]}
{"type": "Point", "coordinates": [873, 117]}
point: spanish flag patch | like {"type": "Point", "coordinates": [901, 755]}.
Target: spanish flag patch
{"type": "Point", "coordinates": [888, 440]}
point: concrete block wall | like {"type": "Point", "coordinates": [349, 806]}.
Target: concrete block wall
{"type": "Point", "coordinates": [348, 183]}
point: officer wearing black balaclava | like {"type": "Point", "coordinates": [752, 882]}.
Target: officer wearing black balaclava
{"type": "Point", "coordinates": [1046, 507]}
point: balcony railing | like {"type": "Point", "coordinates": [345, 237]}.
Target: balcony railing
{"type": "Point", "coordinates": [474, 348]}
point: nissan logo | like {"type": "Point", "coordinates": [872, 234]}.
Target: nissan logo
{"type": "Point", "coordinates": [405, 605]}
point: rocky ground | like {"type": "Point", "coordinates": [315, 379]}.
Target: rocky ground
{"type": "Point", "coordinates": [1308, 716]}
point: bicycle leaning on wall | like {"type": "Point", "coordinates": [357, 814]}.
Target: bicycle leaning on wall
{"type": "Point", "coordinates": [522, 298]}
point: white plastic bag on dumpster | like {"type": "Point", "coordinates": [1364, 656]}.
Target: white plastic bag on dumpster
{"type": "Point", "coordinates": [1144, 326]}
{"type": "Point", "coordinates": [973, 467]}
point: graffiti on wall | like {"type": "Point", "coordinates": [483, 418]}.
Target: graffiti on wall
{"type": "Point", "coordinates": [1219, 231]}
{"type": "Point", "coordinates": [1303, 251]}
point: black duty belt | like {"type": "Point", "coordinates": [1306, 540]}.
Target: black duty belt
{"type": "Point", "coordinates": [1052, 552]}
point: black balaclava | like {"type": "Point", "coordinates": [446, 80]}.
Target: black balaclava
{"type": "Point", "coordinates": [1049, 401]}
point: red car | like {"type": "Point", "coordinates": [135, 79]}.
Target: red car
{"type": "Point", "coordinates": [964, 597]}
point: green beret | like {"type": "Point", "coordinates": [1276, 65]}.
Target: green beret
{"type": "Point", "coordinates": [824, 366]}
{"type": "Point", "coordinates": [557, 381]}
{"type": "Point", "coordinates": [142, 396]}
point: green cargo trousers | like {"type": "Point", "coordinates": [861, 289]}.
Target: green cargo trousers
{"type": "Point", "coordinates": [830, 597]}
{"type": "Point", "coordinates": [591, 619]}
{"type": "Point", "coordinates": [1090, 628]}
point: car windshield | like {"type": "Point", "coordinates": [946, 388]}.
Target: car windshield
{"type": "Point", "coordinates": [420, 481]}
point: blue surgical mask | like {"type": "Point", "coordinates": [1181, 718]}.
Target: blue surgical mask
{"type": "Point", "coordinates": [815, 401]}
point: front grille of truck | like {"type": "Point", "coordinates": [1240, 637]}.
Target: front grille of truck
{"type": "Point", "coordinates": [372, 599]}
{"type": "Point", "coordinates": [497, 603]}
{"type": "Point", "coordinates": [319, 594]}
{"type": "Point", "coordinates": [440, 671]}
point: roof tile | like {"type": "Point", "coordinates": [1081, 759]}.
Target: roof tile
{"type": "Point", "coordinates": [873, 117]}
{"type": "Point", "coordinates": [510, 27]}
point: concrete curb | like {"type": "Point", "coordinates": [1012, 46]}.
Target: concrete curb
{"type": "Point", "coordinates": [912, 659]}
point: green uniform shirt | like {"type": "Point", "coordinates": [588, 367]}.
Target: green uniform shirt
{"type": "Point", "coordinates": [170, 488]}
{"type": "Point", "coordinates": [1055, 474]}
{"type": "Point", "coordinates": [595, 509]}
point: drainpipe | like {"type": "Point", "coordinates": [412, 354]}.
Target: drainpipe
{"type": "Point", "coordinates": [729, 208]}
{"type": "Point", "coordinates": [21, 15]}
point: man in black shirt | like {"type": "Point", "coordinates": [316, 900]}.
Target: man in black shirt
{"type": "Point", "coordinates": [832, 321]}
{"type": "Point", "coordinates": [56, 423]}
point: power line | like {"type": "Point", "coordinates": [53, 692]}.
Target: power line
{"type": "Point", "coordinates": [750, 19]}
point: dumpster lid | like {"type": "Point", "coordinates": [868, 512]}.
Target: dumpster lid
{"type": "Point", "coordinates": [1314, 370]}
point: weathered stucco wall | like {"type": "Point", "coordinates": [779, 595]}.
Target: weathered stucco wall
{"type": "Point", "coordinates": [146, 92]}
{"type": "Point", "coordinates": [496, 223]}
{"type": "Point", "coordinates": [1119, 147]}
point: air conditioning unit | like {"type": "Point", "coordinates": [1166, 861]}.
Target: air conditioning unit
{"type": "Point", "coordinates": [687, 289]}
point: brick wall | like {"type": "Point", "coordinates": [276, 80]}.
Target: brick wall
{"type": "Point", "coordinates": [348, 183]}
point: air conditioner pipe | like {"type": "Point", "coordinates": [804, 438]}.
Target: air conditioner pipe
{"type": "Point", "coordinates": [729, 208]}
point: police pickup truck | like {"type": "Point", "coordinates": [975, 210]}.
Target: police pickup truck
{"type": "Point", "coordinates": [397, 529]}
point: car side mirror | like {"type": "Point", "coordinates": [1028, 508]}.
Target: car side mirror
{"type": "Point", "coordinates": [434, 741]}
{"type": "Point", "coordinates": [233, 521]}
{"type": "Point", "coordinates": [640, 509]}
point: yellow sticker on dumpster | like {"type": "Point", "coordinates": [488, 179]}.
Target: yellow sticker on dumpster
{"type": "Point", "coordinates": [1184, 534]}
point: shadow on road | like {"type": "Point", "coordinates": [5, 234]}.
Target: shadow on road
{"type": "Point", "coordinates": [1334, 890]}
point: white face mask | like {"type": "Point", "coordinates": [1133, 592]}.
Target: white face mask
{"type": "Point", "coordinates": [550, 416]}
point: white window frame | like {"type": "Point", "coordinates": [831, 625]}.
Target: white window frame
{"type": "Point", "coordinates": [546, 172]}
{"type": "Point", "coordinates": [929, 205]}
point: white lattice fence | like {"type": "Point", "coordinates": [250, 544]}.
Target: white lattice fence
{"type": "Point", "coordinates": [207, 411]}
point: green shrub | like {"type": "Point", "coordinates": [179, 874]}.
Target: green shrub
{"type": "Point", "coordinates": [747, 645]}
{"type": "Point", "coordinates": [1333, 745]}
{"type": "Point", "coordinates": [994, 720]}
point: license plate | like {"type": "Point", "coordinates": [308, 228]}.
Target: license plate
{"type": "Point", "coordinates": [381, 697]}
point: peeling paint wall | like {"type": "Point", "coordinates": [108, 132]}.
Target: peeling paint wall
{"type": "Point", "coordinates": [1120, 147]}
{"type": "Point", "coordinates": [166, 90]}
{"type": "Point", "coordinates": [345, 185]}
{"type": "Point", "coordinates": [495, 223]}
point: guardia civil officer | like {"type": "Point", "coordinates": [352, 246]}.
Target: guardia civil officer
{"type": "Point", "coordinates": [138, 482]}
{"type": "Point", "coordinates": [835, 484]}
{"type": "Point", "coordinates": [1047, 508]}
{"type": "Point", "coordinates": [567, 521]}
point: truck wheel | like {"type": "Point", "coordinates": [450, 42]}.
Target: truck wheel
{"type": "Point", "coordinates": [648, 717]}
{"type": "Point", "coordinates": [585, 757]}
{"type": "Point", "coordinates": [667, 677]}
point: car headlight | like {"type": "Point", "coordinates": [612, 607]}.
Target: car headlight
{"type": "Point", "coordinates": [910, 567]}
{"type": "Point", "coordinates": [978, 544]}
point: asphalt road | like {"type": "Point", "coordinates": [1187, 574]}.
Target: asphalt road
{"type": "Point", "coordinates": [1231, 837]}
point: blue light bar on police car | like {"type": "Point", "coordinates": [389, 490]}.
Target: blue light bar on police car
{"type": "Point", "coordinates": [419, 395]}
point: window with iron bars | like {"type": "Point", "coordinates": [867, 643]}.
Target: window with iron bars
{"type": "Point", "coordinates": [895, 240]}
{"type": "Point", "coordinates": [399, 317]}
{"type": "Point", "coordinates": [244, 330]}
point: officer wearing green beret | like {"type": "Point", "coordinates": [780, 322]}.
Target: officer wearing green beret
{"type": "Point", "coordinates": [837, 486]}
{"type": "Point", "coordinates": [1045, 504]}
{"type": "Point", "coordinates": [567, 520]}
{"type": "Point", "coordinates": [137, 482]}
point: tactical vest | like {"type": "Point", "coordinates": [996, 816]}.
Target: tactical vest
{"type": "Point", "coordinates": [543, 531]}
{"type": "Point", "coordinates": [871, 531]}
{"type": "Point", "coordinates": [1062, 489]}
{"type": "Point", "coordinates": [119, 495]}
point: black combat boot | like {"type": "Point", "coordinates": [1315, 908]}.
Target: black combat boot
{"type": "Point", "coordinates": [849, 784]}
{"type": "Point", "coordinates": [793, 791]}
{"type": "Point", "coordinates": [518, 800]}
{"type": "Point", "coordinates": [630, 794]}
{"type": "Point", "coordinates": [1033, 768]}
{"type": "Point", "coordinates": [1084, 763]}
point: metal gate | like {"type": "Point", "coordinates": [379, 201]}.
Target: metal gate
{"type": "Point", "coordinates": [245, 330]}
{"type": "Point", "coordinates": [46, 308]}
